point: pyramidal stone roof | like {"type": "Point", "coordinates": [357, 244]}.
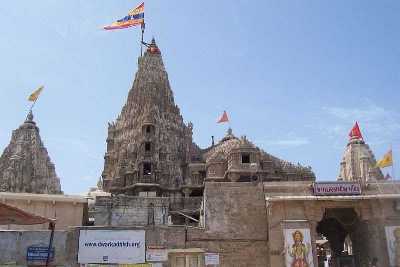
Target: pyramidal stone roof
{"type": "Point", "coordinates": [148, 143]}
{"type": "Point", "coordinates": [25, 165]}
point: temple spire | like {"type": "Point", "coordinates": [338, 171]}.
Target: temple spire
{"type": "Point", "coordinates": [148, 146]}
{"type": "Point", "coordinates": [358, 162]}
{"type": "Point", "coordinates": [25, 165]}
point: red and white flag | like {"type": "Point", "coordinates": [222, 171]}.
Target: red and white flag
{"type": "Point", "coordinates": [223, 118]}
{"type": "Point", "coordinates": [356, 132]}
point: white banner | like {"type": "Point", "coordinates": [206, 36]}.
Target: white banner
{"type": "Point", "coordinates": [112, 246]}
{"type": "Point", "coordinates": [211, 258]}
{"type": "Point", "coordinates": [156, 254]}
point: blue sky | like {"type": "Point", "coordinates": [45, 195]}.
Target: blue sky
{"type": "Point", "coordinates": [293, 75]}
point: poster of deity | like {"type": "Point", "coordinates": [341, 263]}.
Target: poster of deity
{"type": "Point", "coordinates": [393, 244]}
{"type": "Point", "coordinates": [298, 249]}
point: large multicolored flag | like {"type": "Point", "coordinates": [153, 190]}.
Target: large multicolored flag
{"type": "Point", "coordinates": [355, 132]}
{"type": "Point", "coordinates": [34, 96]}
{"type": "Point", "coordinates": [386, 161]}
{"type": "Point", "coordinates": [223, 118]}
{"type": "Point", "coordinates": [135, 17]}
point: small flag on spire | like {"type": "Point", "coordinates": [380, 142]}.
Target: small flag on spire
{"type": "Point", "coordinates": [386, 161]}
{"type": "Point", "coordinates": [355, 132]}
{"type": "Point", "coordinates": [223, 118]}
{"type": "Point", "coordinates": [34, 96]}
{"type": "Point", "coordinates": [135, 17]}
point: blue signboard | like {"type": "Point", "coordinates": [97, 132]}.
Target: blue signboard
{"type": "Point", "coordinates": [39, 253]}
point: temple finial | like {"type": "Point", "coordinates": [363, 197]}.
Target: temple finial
{"type": "Point", "coordinates": [152, 48]}
{"type": "Point", "coordinates": [29, 117]}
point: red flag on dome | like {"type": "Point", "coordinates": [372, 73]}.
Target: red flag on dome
{"type": "Point", "coordinates": [223, 118]}
{"type": "Point", "coordinates": [355, 132]}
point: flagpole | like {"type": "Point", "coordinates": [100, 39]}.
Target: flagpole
{"type": "Point", "coordinates": [143, 25]}
{"type": "Point", "coordinates": [391, 150]}
{"type": "Point", "coordinates": [33, 104]}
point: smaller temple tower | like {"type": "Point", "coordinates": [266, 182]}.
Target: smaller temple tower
{"type": "Point", "coordinates": [358, 162]}
{"type": "Point", "coordinates": [25, 165]}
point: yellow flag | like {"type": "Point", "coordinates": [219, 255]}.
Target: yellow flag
{"type": "Point", "coordinates": [34, 96]}
{"type": "Point", "coordinates": [386, 161]}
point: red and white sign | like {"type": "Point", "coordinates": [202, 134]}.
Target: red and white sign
{"type": "Point", "coordinates": [337, 188]}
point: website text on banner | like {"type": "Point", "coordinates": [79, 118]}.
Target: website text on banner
{"type": "Point", "coordinates": [112, 246]}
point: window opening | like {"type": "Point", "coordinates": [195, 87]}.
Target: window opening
{"type": "Point", "coordinates": [147, 146]}
{"type": "Point", "coordinates": [146, 168]}
{"type": "Point", "coordinates": [245, 158]}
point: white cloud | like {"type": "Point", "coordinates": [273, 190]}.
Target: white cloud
{"type": "Point", "coordinates": [368, 113]}
{"type": "Point", "coordinates": [289, 142]}
{"type": "Point", "coordinates": [378, 124]}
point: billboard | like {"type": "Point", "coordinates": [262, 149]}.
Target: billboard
{"type": "Point", "coordinates": [112, 246]}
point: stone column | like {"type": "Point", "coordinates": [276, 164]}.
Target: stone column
{"type": "Point", "coordinates": [314, 236]}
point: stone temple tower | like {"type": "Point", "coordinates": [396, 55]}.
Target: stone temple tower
{"type": "Point", "coordinates": [25, 165]}
{"type": "Point", "coordinates": [358, 162]}
{"type": "Point", "coordinates": [149, 146]}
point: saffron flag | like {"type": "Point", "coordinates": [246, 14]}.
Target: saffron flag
{"type": "Point", "coordinates": [34, 96]}
{"type": "Point", "coordinates": [135, 17]}
{"type": "Point", "coordinates": [223, 118]}
{"type": "Point", "coordinates": [386, 161]}
{"type": "Point", "coordinates": [355, 132]}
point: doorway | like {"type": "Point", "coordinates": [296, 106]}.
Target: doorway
{"type": "Point", "coordinates": [339, 232]}
{"type": "Point", "coordinates": [186, 260]}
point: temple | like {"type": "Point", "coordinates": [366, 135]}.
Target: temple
{"type": "Point", "coordinates": [151, 153]}
{"type": "Point", "coordinates": [230, 204]}
{"type": "Point", "coordinates": [358, 163]}
{"type": "Point", "coordinates": [25, 165]}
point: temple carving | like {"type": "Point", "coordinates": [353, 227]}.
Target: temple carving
{"type": "Point", "coordinates": [358, 163]}
{"type": "Point", "coordinates": [150, 148]}
{"type": "Point", "coordinates": [25, 165]}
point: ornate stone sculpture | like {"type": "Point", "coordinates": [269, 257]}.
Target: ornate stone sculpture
{"type": "Point", "coordinates": [150, 148]}
{"type": "Point", "coordinates": [148, 145]}
{"type": "Point", "coordinates": [358, 163]}
{"type": "Point", "coordinates": [25, 165]}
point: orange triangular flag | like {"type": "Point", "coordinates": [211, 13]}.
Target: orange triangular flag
{"type": "Point", "coordinates": [223, 118]}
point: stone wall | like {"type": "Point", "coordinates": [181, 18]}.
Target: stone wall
{"type": "Point", "coordinates": [368, 236]}
{"type": "Point", "coordinates": [14, 244]}
{"type": "Point", "coordinates": [235, 225]}
{"type": "Point", "coordinates": [127, 210]}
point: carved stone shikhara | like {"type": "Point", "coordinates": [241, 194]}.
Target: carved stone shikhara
{"type": "Point", "coordinates": [150, 148]}
{"type": "Point", "coordinates": [25, 165]}
{"type": "Point", "coordinates": [359, 163]}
